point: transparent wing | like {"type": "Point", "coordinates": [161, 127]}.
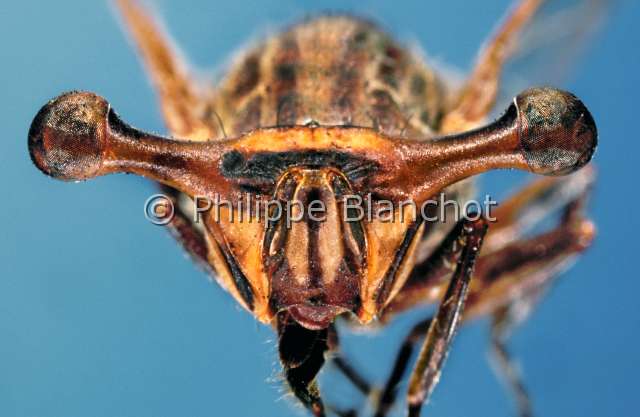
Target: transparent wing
{"type": "Point", "coordinates": [551, 47]}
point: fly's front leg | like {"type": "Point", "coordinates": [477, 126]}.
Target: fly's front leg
{"type": "Point", "coordinates": [479, 93]}
{"type": "Point", "coordinates": [513, 273]}
{"type": "Point", "coordinates": [444, 324]}
{"type": "Point", "coordinates": [440, 263]}
{"type": "Point", "coordinates": [390, 391]}
{"type": "Point", "coordinates": [514, 217]}
{"type": "Point", "coordinates": [345, 367]}
{"type": "Point", "coordinates": [512, 281]}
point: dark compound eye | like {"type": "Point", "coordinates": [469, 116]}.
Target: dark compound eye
{"type": "Point", "coordinates": [66, 136]}
{"type": "Point", "coordinates": [557, 133]}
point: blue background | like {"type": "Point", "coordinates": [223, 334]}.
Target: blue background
{"type": "Point", "coordinates": [101, 315]}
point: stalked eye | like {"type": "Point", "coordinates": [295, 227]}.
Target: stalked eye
{"type": "Point", "coordinates": [67, 136]}
{"type": "Point", "coordinates": [557, 133]}
{"type": "Point", "coordinates": [77, 136]}
{"type": "Point", "coordinates": [545, 131]}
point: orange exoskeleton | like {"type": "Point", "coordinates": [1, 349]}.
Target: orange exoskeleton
{"type": "Point", "coordinates": [329, 111]}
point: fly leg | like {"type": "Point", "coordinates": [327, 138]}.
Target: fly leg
{"type": "Point", "coordinates": [511, 274]}
{"type": "Point", "coordinates": [501, 325]}
{"type": "Point", "coordinates": [509, 222]}
{"type": "Point", "coordinates": [387, 396]}
{"type": "Point", "coordinates": [183, 107]}
{"type": "Point", "coordinates": [352, 374]}
{"type": "Point", "coordinates": [383, 399]}
{"type": "Point", "coordinates": [478, 95]}
{"type": "Point", "coordinates": [389, 392]}
{"type": "Point", "coordinates": [535, 202]}
{"type": "Point", "coordinates": [346, 368]}
{"type": "Point", "coordinates": [461, 244]}
{"type": "Point", "coordinates": [513, 279]}
{"type": "Point", "coordinates": [438, 265]}
{"type": "Point", "coordinates": [514, 270]}
{"type": "Point", "coordinates": [442, 328]}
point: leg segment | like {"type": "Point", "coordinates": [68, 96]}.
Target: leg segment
{"type": "Point", "coordinates": [514, 217]}
{"type": "Point", "coordinates": [181, 104]}
{"type": "Point", "coordinates": [352, 375]}
{"type": "Point", "coordinates": [527, 269]}
{"type": "Point", "coordinates": [345, 367]}
{"type": "Point", "coordinates": [426, 372]}
{"type": "Point", "coordinates": [503, 320]}
{"type": "Point", "coordinates": [438, 263]}
{"type": "Point", "coordinates": [514, 278]}
{"type": "Point", "coordinates": [536, 201]}
{"type": "Point", "coordinates": [521, 271]}
{"type": "Point", "coordinates": [479, 93]}
{"type": "Point", "coordinates": [183, 230]}
{"type": "Point", "coordinates": [512, 275]}
{"type": "Point", "coordinates": [389, 392]}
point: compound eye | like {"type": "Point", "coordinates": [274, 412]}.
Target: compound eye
{"type": "Point", "coordinates": [557, 133]}
{"type": "Point", "coordinates": [67, 136]}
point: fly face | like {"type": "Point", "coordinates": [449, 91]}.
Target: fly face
{"type": "Point", "coordinates": [315, 262]}
{"type": "Point", "coordinates": [311, 250]}
{"type": "Point", "coordinates": [312, 121]}
{"type": "Point", "coordinates": [315, 268]}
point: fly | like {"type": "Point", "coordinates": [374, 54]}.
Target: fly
{"type": "Point", "coordinates": [333, 108]}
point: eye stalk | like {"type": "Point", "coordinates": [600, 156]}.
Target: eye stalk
{"type": "Point", "coordinates": [77, 136]}
{"type": "Point", "coordinates": [545, 131]}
